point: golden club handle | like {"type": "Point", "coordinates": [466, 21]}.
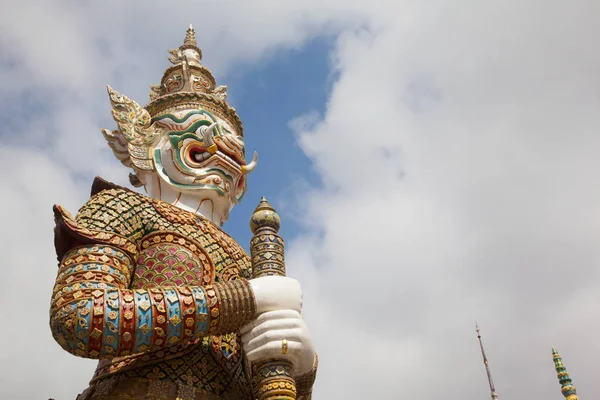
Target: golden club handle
{"type": "Point", "coordinates": [272, 379]}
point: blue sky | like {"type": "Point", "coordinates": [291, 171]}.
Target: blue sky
{"type": "Point", "coordinates": [268, 96]}
{"type": "Point", "coordinates": [433, 162]}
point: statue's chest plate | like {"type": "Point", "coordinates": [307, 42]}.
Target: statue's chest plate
{"type": "Point", "coordinates": [170, 259]}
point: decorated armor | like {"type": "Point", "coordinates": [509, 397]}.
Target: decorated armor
{"type": "Point", "coordinates": [150, 285]}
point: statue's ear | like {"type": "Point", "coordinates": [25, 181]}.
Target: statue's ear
{"type": "Point", "coordinates": [135, 181]}
{"type": "Point", "coordinates": [131, 142]}
{"type": "Point", "coordinates": [240, 189]}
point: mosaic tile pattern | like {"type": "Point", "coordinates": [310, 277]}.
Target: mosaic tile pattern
{"type": "Point", "coordinates": [152, 291]}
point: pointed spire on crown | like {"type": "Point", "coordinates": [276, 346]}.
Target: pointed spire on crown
{"type": "Point", "coordinates": [567, 388]}
{"type": "Point", "coordinates": [190, 37]}
{"type": "Point", "coordinates": [189, 50]}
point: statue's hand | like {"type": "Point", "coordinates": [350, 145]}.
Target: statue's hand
{"type": "Point", "coordinates": [263, 339]}
{"type": "Point", "coordinates": [276, 293]}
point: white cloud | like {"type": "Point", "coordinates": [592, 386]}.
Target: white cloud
{"type": "Point", "coordinates": [32, 364]}
{"type": "Point", "coordinates": [458, 154]}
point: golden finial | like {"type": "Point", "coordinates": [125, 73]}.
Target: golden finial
{"type": "Point", "coordinates": [264, 217]}
{"type": "Point", "coordinates": [190, 37]}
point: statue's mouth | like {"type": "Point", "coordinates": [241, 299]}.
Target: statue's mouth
{"type": "Point", "coordinates": [198, 158]}
{"type": "Point", "coordinates": [215, 171]}
{"type": "Point", "coordinates": [202, 149]}
{"type": "Point", "coordinates": [196, 155]}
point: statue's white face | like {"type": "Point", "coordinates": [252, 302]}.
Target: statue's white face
{"type": "Point", "coordinates": [199, 164]}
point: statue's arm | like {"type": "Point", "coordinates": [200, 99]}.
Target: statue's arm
{"type": "Point", "coordinates": [94, 313]}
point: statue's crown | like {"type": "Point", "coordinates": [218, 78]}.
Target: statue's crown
{"type": "Point", "coordinates": [188, 84]}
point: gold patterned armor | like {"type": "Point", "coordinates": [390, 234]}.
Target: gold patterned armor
{"type": "Point", "coordinates": [145, 250]}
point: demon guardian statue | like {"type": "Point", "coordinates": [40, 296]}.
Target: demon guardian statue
{"type": "Point", "coordinates": [150, 285]}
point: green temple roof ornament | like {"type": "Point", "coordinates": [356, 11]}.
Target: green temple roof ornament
{"type": "Point", "coordinates": [567, 388]}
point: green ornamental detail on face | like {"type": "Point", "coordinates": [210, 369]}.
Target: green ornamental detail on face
{"type": "Point", "coordinates": [186, 122]}
{"type": "Point", "coordinates": [184, 118]}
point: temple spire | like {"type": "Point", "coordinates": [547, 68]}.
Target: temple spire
{"type": "Point", "coordinates": [487, 367]}
{"type": "Point", "coordinates": [567, 388]}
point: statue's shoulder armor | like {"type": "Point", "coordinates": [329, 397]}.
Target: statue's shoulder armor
{"type": "Point", "coordinates": [110, 216]}
{"type": "Point", "coordinates": [100, 185]}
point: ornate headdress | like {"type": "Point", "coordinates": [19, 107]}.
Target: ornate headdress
{"type": "Point", "coordinates": [189, 84]}
{"type": "Point", "coordinates": [187, 121]}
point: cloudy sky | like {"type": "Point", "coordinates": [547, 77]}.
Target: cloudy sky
{"type": "Point", "coordinates": [433, 162]}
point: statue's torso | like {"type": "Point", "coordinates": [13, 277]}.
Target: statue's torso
{"type": "Point", "coordinates": [176, 248]}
